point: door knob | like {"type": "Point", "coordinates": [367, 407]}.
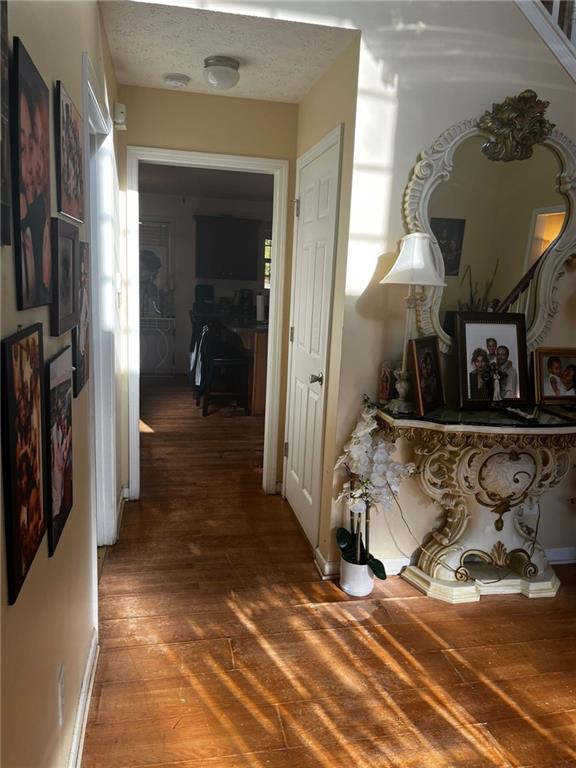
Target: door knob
{"type": "Point", "coordinates": [319, 378]}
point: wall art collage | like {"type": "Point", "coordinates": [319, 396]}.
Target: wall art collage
{"type": "Point", "coordinates": [52, 267]}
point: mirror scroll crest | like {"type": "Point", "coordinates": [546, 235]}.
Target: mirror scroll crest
{"type": "Point", "coordinates": [514, 126]}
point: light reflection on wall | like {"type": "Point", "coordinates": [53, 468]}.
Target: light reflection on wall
{"type": "Point", "coordinates": [376, 113]}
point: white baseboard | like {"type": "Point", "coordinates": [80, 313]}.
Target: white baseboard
{"type": "Point", "coordinates": [124, 496]}
{"type": "Point", "coordinates": [328, 569]}
{"type": "Point", "coordinates": [393, 565]}
{"type": "Point", "coordinates": [561, 555]}
{"type": "Point", "coordinates": [75, 758]}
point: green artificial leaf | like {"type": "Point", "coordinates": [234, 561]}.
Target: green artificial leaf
{"type": "Point", "coordinates": [343, 538]}
{"type": "Point", "coordinates": [377, 567]}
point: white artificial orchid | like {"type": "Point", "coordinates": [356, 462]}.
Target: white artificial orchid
{"type": "Point", "coordinates": [375, 476]}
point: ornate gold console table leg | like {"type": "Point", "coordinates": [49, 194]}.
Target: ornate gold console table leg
{"type": "Point", "coordinates": [485, 482]}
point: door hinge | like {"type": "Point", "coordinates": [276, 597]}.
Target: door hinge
{"type": "Point", "coordinates": [285, 450]}
{"type": "Point", "coordinates": [291, 333]}
{"type": "Point", "coordinates": [296, 202]}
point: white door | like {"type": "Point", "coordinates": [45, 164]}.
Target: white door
{"type": "Point", "coordinates": [312, 277]}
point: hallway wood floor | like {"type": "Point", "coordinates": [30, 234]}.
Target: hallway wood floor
{"type": "Point", "coordinates": [221, 648]}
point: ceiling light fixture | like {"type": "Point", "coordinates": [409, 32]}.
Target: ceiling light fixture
{"type": "Point", "coordinates": [176, 80]}
{"type": "Point", "coordinates": [221, 72]}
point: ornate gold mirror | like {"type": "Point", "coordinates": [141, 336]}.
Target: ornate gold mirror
{"type": "Point", "coordinates": [497, 195]}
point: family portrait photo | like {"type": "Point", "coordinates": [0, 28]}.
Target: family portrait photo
{"type": "Point", "coordinates": [29, 114]}
{"type": "Point", "coordinates": [65, 277]}
{"type": "Point", "coordinates": [425, 362]}
{"type": "Point", "coordinates": [69, 154]}
{"type": "Point", "coordinates": [5, 238]}
{"type": "Point", "coordinates": [81, 332]}
{"type": "Point", "coordinates": [59, 405]}
{"type": "Point", "coordinates": [555, 374]}
{"type": "Point", "coordinates": [22, 452]}
{"type": "Point", "coordinates": [492, 358]}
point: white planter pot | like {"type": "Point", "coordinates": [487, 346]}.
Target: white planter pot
{"type": "Point", "coordinates": [356, 580]}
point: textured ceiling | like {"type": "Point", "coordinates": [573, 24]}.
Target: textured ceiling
{"type": "Point", "coordinates": [199, 182]}
{"type": "Point", "coordinates": [279, 60]}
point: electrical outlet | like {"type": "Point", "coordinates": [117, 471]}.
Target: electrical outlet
{"type": "Point", "coordinates": [60, 695]}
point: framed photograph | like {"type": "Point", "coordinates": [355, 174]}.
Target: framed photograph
{"type": "Point", "coordinates": [427, 378]}
{"type": "Point", "coordinates": [30, 142]}
{"type": "Point", "coordinates": [69, 135]}
{"type": "Point", "coordinates": [4, 129]}
{"type": "Point", "coordinates": [81, 332]}
{"type": "Point", "coordinates": [449, 234]}
{"type": "Point", "coordinates": [65, 277]}
{"type": "Point", "coordinates": [492, 358]}
{"type": "Point", "coordinates": [23, 452]}
{"type": "Point", "coordinates": [59, 434]}
{"type": "Point", "coordinates": [555, 376]}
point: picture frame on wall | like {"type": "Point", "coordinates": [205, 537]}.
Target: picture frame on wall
{"type": "Point", "coordinates": [5, 238]}
{"type": "Point", "coordinates": [23, 452]}
{"type": "Point", "coordinates": [555, 375]}
{"type": "Point", "coordinates": [59, 442]}
{"type": "Point", "coordinates": [69, 140]}
{"type": "Point", "coordinates": [492, 359]}
{"type": "Point", "coordinates": [31, 204]}
{"type": "Point", "coordinates": [426, 373]}
{"type": "Point", "coordinates": [81, 332]}
{"type": "Point", "coordinates": [449, 234]}
{"type": "Point", "coordinates": [65, 277]}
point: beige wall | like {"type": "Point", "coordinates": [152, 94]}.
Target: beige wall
{"type": "Point", "coordinates": [51, 622]}
{"type": "Point", "coordinates": [330, 102]}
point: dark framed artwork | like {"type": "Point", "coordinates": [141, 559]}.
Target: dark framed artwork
{"type": "Point", "coordinates": [492, 358]}
{"type": "Point", "coordinates": [65, 277]}
{"type": "Point", "coordinates": [449, 234]}
{"type": "Point", "coordinates": [81, 332]}
{"type": "Point", "coordinates": [427, 377]}
{"type": "Point", "coordinates": [555, 375]}
{"type": "Point", "coordinates": [30, 142]}
{"type": "Point", "coordinates": [23, 452]}
{"type": "Point", "coordinates": [59, 441]}
{"type": "Point", "coordinates": [69, 136]}
{"type": "Point", "coordinates": [5, 238]}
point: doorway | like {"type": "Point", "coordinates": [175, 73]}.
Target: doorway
{"type": "Point", "coordinates": [137, 157]}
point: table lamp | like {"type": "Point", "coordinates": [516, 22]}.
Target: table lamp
{"type": "Point", "coordinates": [414, 266]}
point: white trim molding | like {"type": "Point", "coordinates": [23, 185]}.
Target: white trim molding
{"type": "Point", "coordinates": [328, 569]}
{"type": "Point", "coordinates": [75, 756]}
{"type": "Point", "coordinates": [279, 170]}
{"type": "Point", "coordinates": [550, 33]}
{"type": "Point", "coordinates": [561, 555]}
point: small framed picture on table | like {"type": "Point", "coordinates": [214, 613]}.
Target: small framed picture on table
{"type": "Point", "coordinates": [555, 376]}
{"type": "Point", "coordinates": [427, 377]}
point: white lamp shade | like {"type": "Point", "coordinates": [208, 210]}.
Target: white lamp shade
{"type": "Point", "coordinates": [415, 263]}
{"type": "Point", "coordinates": [221, 72]}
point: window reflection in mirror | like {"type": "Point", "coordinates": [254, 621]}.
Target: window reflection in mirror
{"type": "Point", "coordinates": [491, 221]}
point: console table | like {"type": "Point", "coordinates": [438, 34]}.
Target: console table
{"type": "Point", "coordinates": [484, 468]}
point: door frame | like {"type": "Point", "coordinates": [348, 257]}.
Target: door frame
{"type": "Point", "coordinates": [211, 161]}
{"type": "Point", "coordinates": [334, 138]}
